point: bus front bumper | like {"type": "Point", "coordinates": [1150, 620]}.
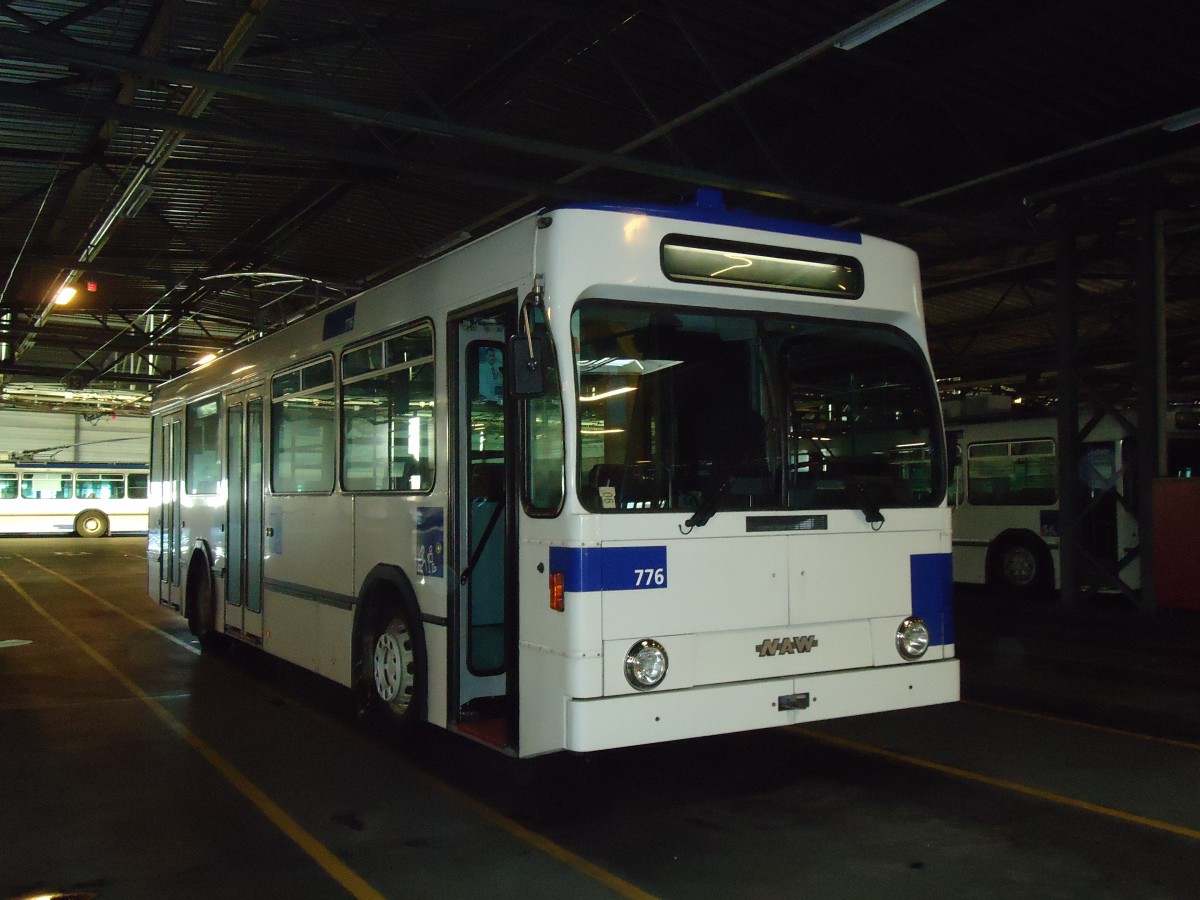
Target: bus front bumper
{"type": "Point", "coordinates": [632, 719]}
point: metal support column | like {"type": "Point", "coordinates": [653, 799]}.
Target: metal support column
{"type": "Point", "coordinates": [1070, 501]}
{"type": "Point", "coordinates": [1150, 462]}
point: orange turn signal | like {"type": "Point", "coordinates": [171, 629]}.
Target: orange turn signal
{"type": "Point", "coordinates": [556, 591]}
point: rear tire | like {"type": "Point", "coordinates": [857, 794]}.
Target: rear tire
{"type": "Point", "coordinates": [91, 523]}
{"type": "Point", "coordinates": [1021, 569]}
{"type": "Point", "coordinates": [202, 608]}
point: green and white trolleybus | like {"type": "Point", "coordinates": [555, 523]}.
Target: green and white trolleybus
{"type": "Point", "coordinates": [88, 499]}
{"type": "Point", "coordinates": [605, 477]}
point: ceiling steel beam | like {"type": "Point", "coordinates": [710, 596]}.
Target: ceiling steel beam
{"type": "Point", "coordinates": [423, 125]}
{"type": "Point", "coordinates": [59, 373]}
{"type": "Point", "coordinates": [193, 106]}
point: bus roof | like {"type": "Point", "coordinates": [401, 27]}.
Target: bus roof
{"type": "Point", "coordinates": [710, 208]}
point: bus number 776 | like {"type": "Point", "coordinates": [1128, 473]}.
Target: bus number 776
{"type": "Point", "coordinates": [648, 577]}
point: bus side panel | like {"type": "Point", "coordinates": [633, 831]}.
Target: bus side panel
{"type": "Point", "coordinates": [406, 531]}
{"type": "Point", "coordinates": [970, 562]}
{"type": "Point", "coordinates": [308, 562]}
{"type": "Point", "coordinates": [292, 632]}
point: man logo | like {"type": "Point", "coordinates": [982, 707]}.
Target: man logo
{"type": "Point", "coordinates": [782, 646]}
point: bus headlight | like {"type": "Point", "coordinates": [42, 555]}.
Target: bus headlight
{"type": "Point", "coordinates": [912, 638]}
{"type": "Point", "coordinates": [645, 664]}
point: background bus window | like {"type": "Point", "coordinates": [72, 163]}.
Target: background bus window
{"type": "Point", "coordinates": [8, 485]}
{"type": "Point", "coordinates": [100, 487]}
{"type": "Point", "coordinates": [203, 460]}
{"type": "Point", "coordinates": [46, 485]}
{"type": "Point", "coordinates": [303, 431]}
{"type": "Point", "coordinates": [139, 485]}
{"type": "Point", "coordinates": [1006, 473]}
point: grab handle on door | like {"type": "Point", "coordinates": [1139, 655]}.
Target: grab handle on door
{"type": "Point", "coordinates": [270, 531]}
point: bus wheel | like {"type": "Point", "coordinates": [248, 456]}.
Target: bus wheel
{"type": "Point", "coordinates": [202, 607]}
{"type": "Point", "coordinates": [395, 665]}
{"type": "Point", "coordinates": [91, 523]}
{"type": "Point", "coordinates": [1021, 569]}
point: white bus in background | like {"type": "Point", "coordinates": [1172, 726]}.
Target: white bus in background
{"type": "Point", "coordinates": [87, 499]}
{"type": "Point", "coordinates": [605, 477]}
{"type": "Point", "coordinates": [1004, 493]}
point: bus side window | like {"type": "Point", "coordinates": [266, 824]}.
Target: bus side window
{"type": "Point", "coordinates": [138, 485]}
{"type": "Point", "coordinates": [388, 414]}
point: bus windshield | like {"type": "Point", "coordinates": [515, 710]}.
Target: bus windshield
{"type": "Point", "coordinates": [690, 410]}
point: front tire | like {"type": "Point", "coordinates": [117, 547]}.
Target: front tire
{"type": "Point", "coordinates": [91, 523]}
{"type": "Point", "coordinates": [394, 669]}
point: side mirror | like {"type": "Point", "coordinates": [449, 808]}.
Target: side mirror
{"type": "Point", "coordinates": [526, 369]}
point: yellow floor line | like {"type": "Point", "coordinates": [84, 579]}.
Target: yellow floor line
{"type": "Point", "coordinates": [1104, 729]}
{"type": "Point", "coordinates": [1014, 786]}
{"type": "Point", "coordinates": [140, 623]}
{"type": "Point", "coordinates": [618, 885]}
{"type": "Point", "coordinates": [318, 852]}
{"type": "Point", "coordinates": [543, 844]}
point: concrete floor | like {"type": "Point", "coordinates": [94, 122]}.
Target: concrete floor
{"type": "Point", "coordinates": [132, 767]}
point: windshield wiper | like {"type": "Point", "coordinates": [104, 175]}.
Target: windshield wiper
{"type": "Point", "coordinates": [866, 503]}
{"type": "Point", "coordinates": [747, 444]}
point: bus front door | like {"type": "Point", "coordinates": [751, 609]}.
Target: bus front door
{"type": "Point", "coordinates": [244, 512]}
{"type": "Point", "coordinates": [483, 688]}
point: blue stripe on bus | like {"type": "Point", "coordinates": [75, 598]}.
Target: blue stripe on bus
{"type": "Point", "coordinates": [932, 593]}
{"type": "Point", "coordinates": [610, 568]}
{"type": "Point", "coordinates": [736, 218]}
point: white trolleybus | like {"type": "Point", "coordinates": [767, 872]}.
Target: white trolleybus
{"type": "Point", "coordinates": [87, 499]}
{"type": "Point", "coordinates": [605, 477]}
{"type": "Point", "coordinates": [1004, 495]}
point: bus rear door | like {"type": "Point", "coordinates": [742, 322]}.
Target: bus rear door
{"type": "Point", "coordinates": [245, 527]}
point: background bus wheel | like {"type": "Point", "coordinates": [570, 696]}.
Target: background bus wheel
{"type": "Point", "coordinates": [395, 671]}
{"type": "Point", "coordinates": [1021, 569]}
{"type": "Point", "coordinates": [91, 523]}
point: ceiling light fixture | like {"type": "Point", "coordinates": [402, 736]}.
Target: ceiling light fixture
{"type": "Point", "coordinates": [65, 295]}
{"type": "Point", "coordinates": [1182, 121]}
{"type": "Point", "coordinates": [883, 21]}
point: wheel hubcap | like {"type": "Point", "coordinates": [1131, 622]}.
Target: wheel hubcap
{"type": "Point", "coordinates": [1020, 567]}
{"type": "Point", "coordinates": [394, 668]}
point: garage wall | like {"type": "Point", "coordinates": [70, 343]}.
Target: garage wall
{"type": "Point", "coordinates": [80, 438]}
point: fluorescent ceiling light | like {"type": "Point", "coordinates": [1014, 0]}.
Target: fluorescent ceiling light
{"type": "Point", "coordinates": [1182, 121]}
{"type": "Point", "coordinates": [65, 294]}
{"type": "Point", "coordinates": [883, 21]}
{"type": "Point", "coordinates": [592, 398]}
